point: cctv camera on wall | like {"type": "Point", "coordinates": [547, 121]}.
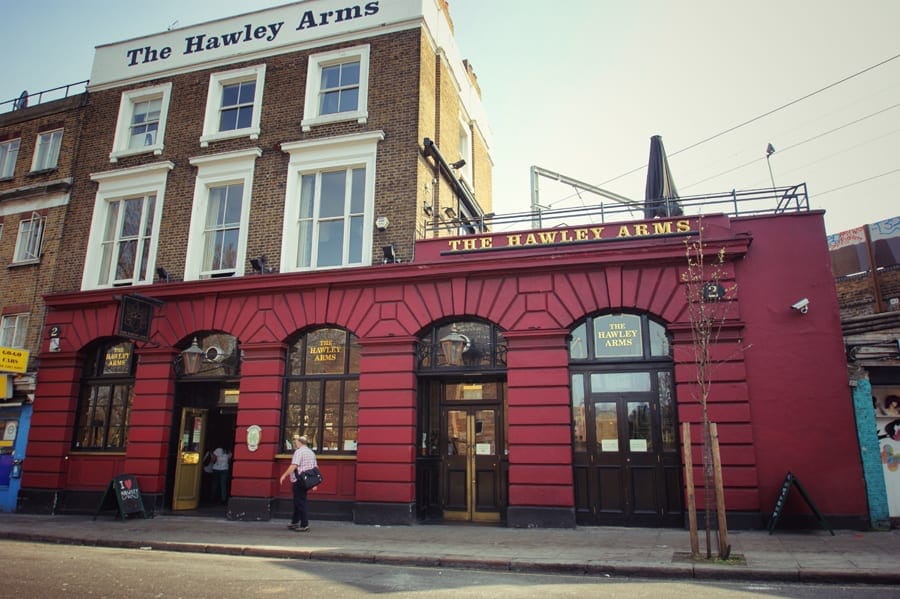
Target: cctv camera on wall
{"type": "Point", "coordinates": [802, 306]}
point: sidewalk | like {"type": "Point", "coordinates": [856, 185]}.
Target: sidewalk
{"type": "Point", "coordinates": [791, 556]}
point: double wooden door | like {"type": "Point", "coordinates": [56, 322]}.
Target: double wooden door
{"type": "Point", "coordinates": [471, 464]}
{"type": "Point", "coordinates": [626, 459]}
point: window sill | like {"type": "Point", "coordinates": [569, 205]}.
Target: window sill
{"type": "Point", "coordinates": [114, 156]}
{"type": "Point", "coordinates": [252, 134]}
{"type": "Point", "coordinates": [24, 263]}
{"type": "Point", "coordinates": [360, 117]}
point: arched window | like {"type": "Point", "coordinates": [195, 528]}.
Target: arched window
{"type": "Point", "coordinates": [619, 337]}
{"type": "Point", "coordinates": [107, 389]}
{"type": "Point", "coordinates": [322, 391]}
{"type": "Point", "coordinates": [462, 344]}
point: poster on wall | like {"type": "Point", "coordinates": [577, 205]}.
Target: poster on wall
{"type": "Point", "coordinates": [886, 402]}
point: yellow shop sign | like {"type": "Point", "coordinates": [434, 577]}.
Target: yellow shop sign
{"type": "Point", "coordinates": [13, 359]}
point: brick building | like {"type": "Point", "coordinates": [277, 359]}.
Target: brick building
{"type": "Point", "coordinates": [281, 222]}
{"type": "Point", "coordinates": [38, 138]}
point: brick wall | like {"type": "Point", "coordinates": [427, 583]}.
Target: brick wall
{"type": "Point", "coordinates": [403, 102]}
{"type": "Point", "coordinates": [22, 286]}
{"type": "Point", "coordinates": [856, 295]}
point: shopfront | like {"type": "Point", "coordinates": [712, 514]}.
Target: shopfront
{"type": "Point", "coordinates": [541, 385]}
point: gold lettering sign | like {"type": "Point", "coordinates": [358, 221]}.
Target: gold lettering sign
{"type": "Point", "coordinates": [618, 336]}
{"type": "Point", "coordinates": [569, 235]}
{"type": "Point", "coordinates": [117, 359]}
{"type": "Point", "coordinates": [325, 356]}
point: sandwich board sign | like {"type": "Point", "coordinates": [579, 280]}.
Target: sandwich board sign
{"type": "Point", "coordinates": [123, 495]}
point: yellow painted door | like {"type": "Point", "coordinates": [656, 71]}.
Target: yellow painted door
{"type": "Point", "coordinates": [188, 466]}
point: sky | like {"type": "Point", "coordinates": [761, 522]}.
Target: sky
{"type": "Point", "coordinates": [579, 86]}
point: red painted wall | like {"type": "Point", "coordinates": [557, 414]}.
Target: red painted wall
{"type": "Point", "coordinates": [780, 394]}
{"type": "Point", "coordinates": [799, 392]}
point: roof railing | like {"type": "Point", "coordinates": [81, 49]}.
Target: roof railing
{"type": "Point", "coordinates": [57, 93]}
{"type": "Point", "coordinates": [735, 203]}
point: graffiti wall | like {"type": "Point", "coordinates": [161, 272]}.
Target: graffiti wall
{"type": "Point", "coordinates": [887, 418]}
{"type": "Point", "coordinates": [849, 251]}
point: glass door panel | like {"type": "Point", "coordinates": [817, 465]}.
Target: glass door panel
{"type": "Point", "coordinates": [188, 467]}
{"type": "Point", "coordinates": [471, 465]}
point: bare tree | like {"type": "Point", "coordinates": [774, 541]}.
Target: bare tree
{"type": "Point", "coordinates": [708, 303]}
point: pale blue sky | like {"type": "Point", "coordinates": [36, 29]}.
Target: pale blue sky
{"type": "Point", "coordinates": [579, 86]}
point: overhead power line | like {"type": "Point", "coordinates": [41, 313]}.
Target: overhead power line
{"type": "Point", "coordinates": [896, 170]}
{"type": "Point", "coordinates": [761, 116]}
{"type": "Point", "coordinates": [799, 143]}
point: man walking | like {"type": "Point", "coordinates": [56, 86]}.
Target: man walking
{"type": "Point", "coordinates": [304, 459]}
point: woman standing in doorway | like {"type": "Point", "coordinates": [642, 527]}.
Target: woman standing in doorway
{"type": "Point", "coordinates": [220, 469]}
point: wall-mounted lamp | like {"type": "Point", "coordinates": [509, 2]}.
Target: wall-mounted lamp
{"type": "Point", "coordinates": [163, 274]}
{"type": "Point", "coordinates": [450, 212]}
{"type": "Point", "coordinates": [427, 209]}
{"type": "Point", "coordinates": [382, 223]}
{"type": "Point", "coordinates": [259, 265]}
{"type": "Point", "coordinates": [458, 164]}
{"type": "Point", "coordinates": [454, 345]}
{"type": "Point", "coordinates": [191, 358]}
{"type": "Point", "coordinates": [390, 254]}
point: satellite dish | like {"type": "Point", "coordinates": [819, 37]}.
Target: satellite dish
{"type": "Point", "coordinates": [22, 102]}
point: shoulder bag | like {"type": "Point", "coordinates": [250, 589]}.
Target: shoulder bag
{"type": "Point", "coordinates": [311, 478]}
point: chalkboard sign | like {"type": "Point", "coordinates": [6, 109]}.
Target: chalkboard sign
{"type": "Point", "coordinates": [792, 481]}
{"type": "Point", "coordinates": [123, 495]}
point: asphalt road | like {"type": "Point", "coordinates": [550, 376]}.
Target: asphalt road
{"type": "Point", "coordinates": [47, 570]}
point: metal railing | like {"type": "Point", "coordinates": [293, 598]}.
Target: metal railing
{"type": "Point", "coordinates": [734, 203]}
{"type": "Point", "coordinates": [26, 100]}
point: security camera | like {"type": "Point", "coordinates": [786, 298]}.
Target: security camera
{"type": "Point", "coordinates": [801, 306]}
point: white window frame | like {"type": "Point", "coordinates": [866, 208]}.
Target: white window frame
{"type": "Point", "coordinates": [329, 154]}
{"type": "Point", "coordinates": [14, 330]}
{"type": "Point", "coordinates": [45, 160]}
{"type": "Point", "coordinates": [114, 241]}
{"type": "Point", "coordinates": [30, 242]}
{"type": "Point", "coordinates": [316, 62]}
{"type": "Point", "coordinates": [9, 154]}
{"type": "Point", "coordinates": [217, 83]}
{"type": "Point", "coordinates": [120, 184]}
{"type": "Point", "coordinates": [127, 104]}
{"type": "Point", "coordinates": [215, 171]}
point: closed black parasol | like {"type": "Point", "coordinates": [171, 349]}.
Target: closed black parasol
{"type": "Point", "coordinates": [660, 196]}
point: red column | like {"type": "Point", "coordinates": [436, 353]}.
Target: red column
{"type": "Point", "coordinates": [52, 422]}
{"type": "Point", "coordinates": [540, 432]}
{"type": "Point", "coordinates": [150, 423]}
{"type": "Point", "coordinates": [385, 470]}
{"type": "Point", "coordinates": [255, 473]}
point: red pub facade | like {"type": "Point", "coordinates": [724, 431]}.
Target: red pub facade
{"type": "Point", "coordinates": [527, 377]}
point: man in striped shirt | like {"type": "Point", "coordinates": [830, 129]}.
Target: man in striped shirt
{"type": "Point", "coordinates": [304, 459]}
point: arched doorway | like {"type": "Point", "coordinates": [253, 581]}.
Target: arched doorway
{"type": "Point", "coordinates": [627, 465]}
{"type": "Point", "coordinates": [205, 418]}
{"type": "Point", "coordinates": [461, 439]}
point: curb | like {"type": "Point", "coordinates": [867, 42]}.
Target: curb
{"type": "Point", "coordinates": [593, 568]}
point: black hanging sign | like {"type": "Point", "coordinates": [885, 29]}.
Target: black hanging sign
{"type": "Point", "coordinates": [123, 495]}
{"type": "Point", "coordinates": [792, 481]}
{"type": "Point", "coordinates": [135, 316]}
